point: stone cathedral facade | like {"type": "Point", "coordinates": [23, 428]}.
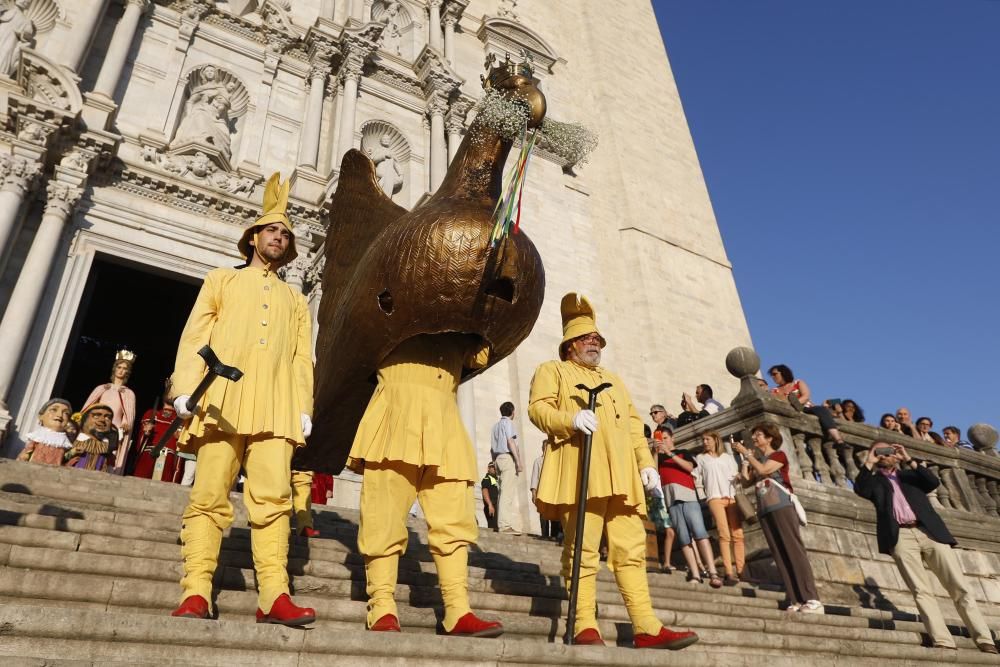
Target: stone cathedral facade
{"type": "Point", "coordinates": [138, 133]}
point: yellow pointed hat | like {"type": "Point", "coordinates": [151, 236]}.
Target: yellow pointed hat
{"type": "Point", "coordinates": [578, 318]}
{"type": "Point", "coordinates": [275, 205]}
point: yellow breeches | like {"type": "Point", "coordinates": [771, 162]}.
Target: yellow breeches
{"type": "Point", "coordinates": [302, 498]}
{"type": "Point", "coordinates": [626, 559]}
{"type": "Point", "coordinates": [388, 489]}
{"type": "Point", "coordinates": [267, 496]}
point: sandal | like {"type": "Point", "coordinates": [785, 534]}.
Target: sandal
{"type": "Point", "coordinates": [691, 577]}
{"type": "Point", "coordinates": [730, 580]}
{"type": "Point", "coordinates": [666, 569]}
{"type": "Point", "coordinates": [715, 582]}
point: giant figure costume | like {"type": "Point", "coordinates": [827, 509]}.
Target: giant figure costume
{"type": "Point", "coordinates": [419, 301]}
{"type": "Point", "coordinates": [259, 324]}
{"type": "Point", "coordinates": [615, 496]}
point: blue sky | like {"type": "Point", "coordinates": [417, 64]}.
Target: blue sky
{"type": "Point", "coordinates": [852, 153]}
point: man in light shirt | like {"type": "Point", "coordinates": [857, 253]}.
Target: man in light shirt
{"type": "Point", "coordinates": [911, 531]}
{"type": "Point", "coordinates": [703, 394]}
{"type": "Point", "coordinates": [503, 447]}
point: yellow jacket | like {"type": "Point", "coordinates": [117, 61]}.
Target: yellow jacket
{"type": "Point", "coordinates": [256, 322]}
{"type": "Point", "coordinates": [619, 448]}
{"type": "Point", "coordinates": [413, 415]}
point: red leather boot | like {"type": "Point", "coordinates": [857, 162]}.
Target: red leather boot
{"type": "Point", "coordinates": [667, 639]}
{"type": "Point", "coordinates": [472, 626]}
{"type": "Point", "coordinates": [284, 612]}
{"type": "Point", "coordinates": [194, 606]}
{"type": "Point", "coordinates": [387, 623]}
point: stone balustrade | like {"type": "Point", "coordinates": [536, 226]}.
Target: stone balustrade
{"type": "Point", "coordinates": [841, 533]}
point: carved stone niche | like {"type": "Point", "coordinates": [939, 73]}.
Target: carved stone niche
{"type": "Point", "coordinates": [400, 33]}
{"type": "Point", "coordinates": [22, 21]}
{"type": "Point", "coordinates": [215, 103]}
{"type": "Point", "coordinates": [501, 36]}
{"type": "Point", "coordinates": [390, 151]}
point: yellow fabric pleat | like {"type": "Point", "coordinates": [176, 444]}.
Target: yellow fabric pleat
{"type": "Point", "coordinates": [413, 415]}
{"type": "Point", "coordinates": [619, 450]}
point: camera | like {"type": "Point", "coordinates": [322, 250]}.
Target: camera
{"type": "Point", "coordinates": [884, 451]}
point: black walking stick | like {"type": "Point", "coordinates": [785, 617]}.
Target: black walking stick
{"type": "Point", "coordinates": [581, 511]}
{"type": "Point", "coordinates": [215, 368]}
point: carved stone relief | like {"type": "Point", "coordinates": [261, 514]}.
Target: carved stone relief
{"type": "Point", "coordinates": [200, 169]}
{"type": "Point", "coordinates": [396, 19]}
{"type": "Point", "coordinates": [390, 152]}
{"type": "Point", "coordinates": [215, 99]}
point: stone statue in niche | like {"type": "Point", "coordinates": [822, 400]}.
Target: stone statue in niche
{"type": "Point", "coordinates": [391, 35]}
{"type": "Point", "coordinates": [16, 32]}
{"type": "Point", "coordinates": [387, 171]}
{"type": "Point", "coordinates": [206, 114]}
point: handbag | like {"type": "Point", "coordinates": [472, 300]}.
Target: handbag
{"type": "Point", "coordinates": [799, 509]}
{"type": "Point", "coordinates": [745, 506]}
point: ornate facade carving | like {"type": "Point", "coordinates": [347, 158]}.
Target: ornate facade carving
{"type": "Point", "coordinates": [61, 197]}
{"type": "Point", "coordinates": [76, 160]}
{"type": "Point", "coordinates": [394, 16]}
{"type": "Point", "coordinates": [34, 132]}
{"type": "Point", "coordinates": [18, 173]}
{"type": "Point", "coordinates": [505, 35]}
{"type": "Point", "coordinates": [200, 169]}
{"type": "Point", "coordinates": [16, 33]}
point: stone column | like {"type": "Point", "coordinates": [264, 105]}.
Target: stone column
{"type": "Point", "coordinates": [357, 9]}
{"type": "Point", "coordinates": [309, 148]}
{"type": "Point", "coordinates": [350, 73]}
{"type": "Point", "coordinates": [436, 108]}
{"type": "Point", "coordinates": [455, 122]}
{"type": "Point", "coordinates": [327, 9]}
{"type": "Point", "coordinates": [295, 273]}
{"type": "Point", "coordinates": [434, 24]}
{"type": "Point", "coordinates": [449, 38]}
{"type": "Point", "coordinates": [366, 11]}
{"type": "Point", "coordinates": [121, 42]}
{"type": "Point", "coordinates": [77, 44]}
{"type": "Point", "coordinates": [24, 301]}
{"type": "Point", "coordinates": [18, 174]}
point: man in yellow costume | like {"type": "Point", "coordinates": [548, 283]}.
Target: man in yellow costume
{"type": "Point", "coordinates": [620, 467]}
{"type": "Point", "coordinates": [259, 324]}
{"type": "Point", "coordinates": [411, 444]}
{"type": "Point", "coordinates": [302, 502]}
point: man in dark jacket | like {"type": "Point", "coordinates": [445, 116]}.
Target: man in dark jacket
{"type": "Point", "coordinates": [913, 533]}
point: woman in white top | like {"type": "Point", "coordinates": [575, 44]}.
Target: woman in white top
{"type": "Point", "coordinates": [718, 470]}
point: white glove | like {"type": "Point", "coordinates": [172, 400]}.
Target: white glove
{"type": "Point", "coordinates": [307, 425]}
{"type": "Point", "coordinates": [180, 406]}
{"type": "Point", "coordinates": [586, 421]}
{"type": "Point", "coordinates": [650, 478]}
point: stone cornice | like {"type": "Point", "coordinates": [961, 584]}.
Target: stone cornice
{"type": "Point", "coordinates": [436, 76]}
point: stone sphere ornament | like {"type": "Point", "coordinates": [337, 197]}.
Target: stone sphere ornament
{"type": "Point", "coordinates": [742, 361]}
{"type": "Point", "coordinates": [983, 437]}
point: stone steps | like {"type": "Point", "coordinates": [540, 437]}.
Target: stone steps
{"type": "Point", "coordinates": [109, 560]}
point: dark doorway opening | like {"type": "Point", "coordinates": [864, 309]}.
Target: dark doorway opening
{"type": "Point", "coordinates": [125, 306]}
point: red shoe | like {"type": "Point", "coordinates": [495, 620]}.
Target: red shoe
{"type": "Point", "coordinates": [387, 623]}
{"type": "Point", "coordinates": [471, 626]}
{"type": "Point", "coordinates": [194, 606]}
{"type": "Point", "coordinates": [284, 612]}
{"type": "Point", "coordinates": [307, 531]}
{"type": "Point", "coordinates": [666, 639]}
{"type": "Point", "coordinates": [588, 637]}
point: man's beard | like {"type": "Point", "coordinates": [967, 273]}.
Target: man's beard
{"type": "Point", "coordinates": [273, 255]}
{"type": "Point", "coordinates": [593, 360]}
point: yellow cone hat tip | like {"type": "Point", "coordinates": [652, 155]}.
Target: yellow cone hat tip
{"type": "Point", "coordinates": [578, 319]}
{"type": "Point", "coordinates": [275, 208]}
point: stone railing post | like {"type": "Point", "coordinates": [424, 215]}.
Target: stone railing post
{"type": "Point", "coordinates": [743, 363]}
